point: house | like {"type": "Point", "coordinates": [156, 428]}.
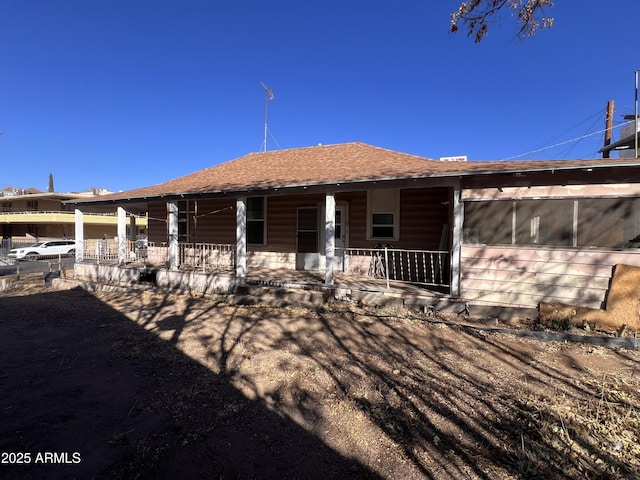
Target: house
{"type": "Point", "coordinates": [30, 214]}
{"type": "Point", "coordinates": [489, 233]}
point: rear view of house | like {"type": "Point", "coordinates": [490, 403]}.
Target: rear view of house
{"type": "Point", "coordinates": [506, 233]}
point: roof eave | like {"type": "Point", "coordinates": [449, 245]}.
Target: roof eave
{"type": "Point", "coordinates": [257, 188]}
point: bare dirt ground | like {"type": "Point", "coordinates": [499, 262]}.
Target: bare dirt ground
{"type": "Point", "coordinates": [151, 385]}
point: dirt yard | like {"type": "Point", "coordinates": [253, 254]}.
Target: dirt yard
{"type": "Point", "coordinates": [140, 385]}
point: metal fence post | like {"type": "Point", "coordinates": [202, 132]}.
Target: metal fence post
{"type": "Point", "coordinates": [386, 266]}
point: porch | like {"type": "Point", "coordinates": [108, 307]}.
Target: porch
{"type": "Point", "coordinates": [420, 268]}
{"type": "Point", "coordinates": [383, 276]}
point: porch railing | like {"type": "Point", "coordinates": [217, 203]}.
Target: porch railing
{"type": "Point", "coordinates": [205, 256]}
{"type": "Point", "coordinates": [426, 267]}
{"type": "Point", "coordinates": [105, 251]}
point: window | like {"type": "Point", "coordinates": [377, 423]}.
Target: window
{"type": "Point", "coordinates": [608, 222]}
{"type": "Point", "coordinates": [584, 222]}
{"type": "Point", "coordinates": [256, 220]}
{"type": "Point", "coordinates": [383, 214]}
{"type": "Point", "coordinates": [183, 220]}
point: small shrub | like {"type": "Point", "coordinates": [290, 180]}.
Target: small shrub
{"type": "Point", "coordinates": [539, 327]}
{"type": "Point", "coordinates": [562, 324]}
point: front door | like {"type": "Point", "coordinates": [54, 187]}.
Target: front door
{"type": "Point", "coordinates": [307, 251]}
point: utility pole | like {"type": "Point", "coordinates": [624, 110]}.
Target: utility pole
{"type": "Point", "coordinates": [608, 127]}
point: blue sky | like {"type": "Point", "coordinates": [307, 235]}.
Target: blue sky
{"type": "Point", "coordinates": [122, 94]}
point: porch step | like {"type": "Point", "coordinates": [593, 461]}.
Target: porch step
{"type": "Point", "coordinates": [276, 297]}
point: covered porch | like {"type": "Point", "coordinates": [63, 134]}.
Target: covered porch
{"type": "Point", "coordinates": [329, 238]}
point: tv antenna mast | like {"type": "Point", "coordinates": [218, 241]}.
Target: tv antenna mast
{"type": "Point", "coordinates": [268, 93]}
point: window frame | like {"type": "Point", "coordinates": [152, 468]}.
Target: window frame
{"type": "Point", "coordinates": [373, 209]}
{"type": "Point", "coordinates": [577, 212]}
{"type": "Point", "coordinates": [263, 220]}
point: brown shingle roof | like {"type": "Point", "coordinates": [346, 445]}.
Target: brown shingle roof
{"type": "Point", "coordinates": [341, 163]}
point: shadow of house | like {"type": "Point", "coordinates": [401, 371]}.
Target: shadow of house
{"type": "Point", "coordinates": [113, 400]}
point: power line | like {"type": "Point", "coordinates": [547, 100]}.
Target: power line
{"type": "Point", "coordinates": [565, 142]}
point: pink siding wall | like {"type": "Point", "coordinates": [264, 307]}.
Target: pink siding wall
{"type": "Point", "coordinates": [526, 276]}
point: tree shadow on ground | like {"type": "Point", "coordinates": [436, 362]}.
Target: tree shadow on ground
{"type": "Point", "coordinates": [409, 399]}
{"type": "Point", "coordinates": [112, 397]}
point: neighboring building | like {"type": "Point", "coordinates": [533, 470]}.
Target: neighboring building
{"type": "Point", "coordinates": [497, 233]}
{"type": "Point", "coordinates": [626, 145]}
{"type": "Point", "coordinates": [34, 214]}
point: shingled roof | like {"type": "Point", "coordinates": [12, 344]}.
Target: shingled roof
{"type": "Point", "coordinates": [326, 165]}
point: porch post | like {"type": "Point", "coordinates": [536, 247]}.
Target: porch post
{"type": "Point", "coordinates": [122, 235]}
{"type": "Point", "coordinates": [79, 235]}
{"type": "Point", "coordinates": [241, 237]}
{"type": "Point", "coordinates": [329, 236]}
{"type": "Point", "coordinates": [172, 222]}
{"type": "Point", "coordinates": [456, 244]}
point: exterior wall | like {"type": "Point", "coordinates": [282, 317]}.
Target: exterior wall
{"type": "Point", "coordinates": [272, 260]}
{"type": "Point", "coordinates": [157, 223]}
{"type": "Point", "coordinates": [216, 222]}
{"type": "Point", "coordinates": [527, 276]}
{"type": "Point", "coordinates": [423, 215]}
{"type": "Point", "coordinates": [282, 221]}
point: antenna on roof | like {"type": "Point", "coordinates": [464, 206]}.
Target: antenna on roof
{"type": "Point", "coordinates": [268, 96]}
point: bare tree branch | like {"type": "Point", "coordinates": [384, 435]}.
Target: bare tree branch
{"type": "Point", "coordinates": [476, 15]}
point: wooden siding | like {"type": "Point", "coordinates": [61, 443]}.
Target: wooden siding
{"type": "Point", "coordinates": [157, 222]}
{"type": "Point", "coordinates": [357, 215]}
{"type": "Point", "coordinates": [282, 221]}
{"type": "Point", "coordinates": [216, 221]}
{"type": "Point", "coordinates": [423, 213]}
{"type": "Point", "coordinates": [526, 276]}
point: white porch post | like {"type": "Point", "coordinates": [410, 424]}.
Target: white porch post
{"type": "Point", "coordinates": [329, 236]}
{"type": "Point", "coordinates": [172, 223]}
{"type": "Point", "coordinates": [79, 235]}
{"type": "Point", "coordinates": [241, 237]}
{"type": "Point", "coordinates": [456, 245]}
{"type": "Point", "coordinates": [122, 235]}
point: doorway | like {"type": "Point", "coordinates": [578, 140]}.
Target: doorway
{"type": "Point", "coordinates": [310, 254]}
